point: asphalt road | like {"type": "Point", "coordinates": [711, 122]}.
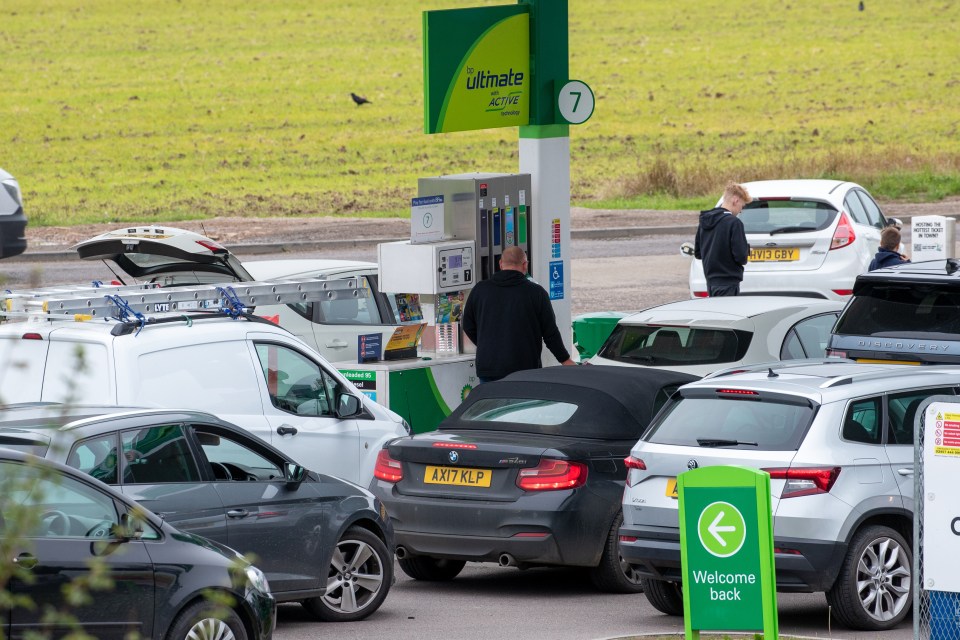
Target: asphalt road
{"type": "Point", "coordinates": [488, 601]}
{"type": "Point", "coordinates": [608, 275]}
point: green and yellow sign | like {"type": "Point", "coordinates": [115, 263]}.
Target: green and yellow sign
{"type": "Point", "coordinates": [726, 550]}
{"type": "Point", "coordinates": [476, 66]}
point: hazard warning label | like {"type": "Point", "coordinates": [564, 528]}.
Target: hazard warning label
{"type": "Point", "coordinates": [946, 434]}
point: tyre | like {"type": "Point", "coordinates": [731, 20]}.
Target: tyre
{"type": "Point", "coordinates": [666, 597]}
{"type": "Point", "coordinates": [203, 621]}
{"type": "Point", "coordinates": [613, 574]}
{"type": "Point", "coordinates": [431, 569]}
{"type": "Point", "coordinates": [360, 575]}
{"type": "Point", "coordinates": [874, 590]}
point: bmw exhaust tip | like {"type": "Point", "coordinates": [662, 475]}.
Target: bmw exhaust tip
{"type": "Point", "coordinates": [507, 560]}
{"type": "Point", "coordinates": [401, 553]}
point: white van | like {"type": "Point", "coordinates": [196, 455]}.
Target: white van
{"type": "Point", "coordinates": [13, 223]}
{"type": "Point", "coordinates": [245, 370]}
{"type": "Point", "coordinates": [170, 256]}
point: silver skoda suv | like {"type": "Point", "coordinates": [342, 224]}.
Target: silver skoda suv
{"type": "Point", "coordinates": [837, 440]}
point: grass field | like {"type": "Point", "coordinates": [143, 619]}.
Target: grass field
{"type": "Point", "coordinates": [175, 109]}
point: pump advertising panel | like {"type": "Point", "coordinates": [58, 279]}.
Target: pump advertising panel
{"type": "Point", "coordinates": [476, 68]}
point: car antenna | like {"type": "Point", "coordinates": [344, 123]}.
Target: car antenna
{"type": "Point", "coordinates": [771, 374]}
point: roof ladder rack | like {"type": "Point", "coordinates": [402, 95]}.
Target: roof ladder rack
{"type": "Point", "coordinates": [120, 302]}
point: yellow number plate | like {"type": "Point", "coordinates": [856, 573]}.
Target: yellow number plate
{"type": "Point", "coordinates": [791, 254]}
{"type": "Point", "coordinates": [457, 476]}
{"type": "Point", "coordinates": [872, 361]}
{"type": "Point", "coordinates": [672, 488]}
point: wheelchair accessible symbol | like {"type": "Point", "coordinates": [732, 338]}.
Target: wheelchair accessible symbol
{"type": "Point", "coordinates": [556, 280]}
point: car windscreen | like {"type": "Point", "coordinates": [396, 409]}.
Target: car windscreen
{"type": "Point", "coordinates": [775, 216]}
{"type": "Point", "coordinates": [657, 345]}
{"type": "Point", "coordinates": [36, 447]}
{"type": "Point", "coordinates": [732, 424]}
{"type": "Point", "coordinates": [906, 311]}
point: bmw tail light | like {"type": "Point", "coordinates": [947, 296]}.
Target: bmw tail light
{"type": "Point", "coordinates": [805, 481]}
{"type": "Point", "coordinates": [551, 475]}
{"type": "Point", "coordinates": [844, 235]}
{"type": "Point", "coordinates": [387, 468]}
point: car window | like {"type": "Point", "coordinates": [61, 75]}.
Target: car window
{"type": "Point", "coordinates": [786, 216]}
{"type": "Point", "coordinates": [903, 311]}
{"type": "Point", "coordinates": [524, 410]}
{"type": "Point", "coordinates": [296, 383]}
{"type": "Point", "coordinates": [902, 411]}
{"type": "Point", "coordinates": [96, 456]}
{"type": "Point", "coordinates": [231, 459]}
{"type": "Point", "coordinates": [655, 345]}
{"type": "Point", "coordinates": [873, 211]}
{"type": "Point", "coordinates": [863, 421]}
{"type": "Point", "coordinates": [351, 310]}
{"type": "Point", "coordinates": [757, 426]}
{"type": "Point", "coordinates": [855, 208]}
{"type": "Point", "coordinates": [64, 506]}
{"type": "Point", "coordinates": [808, 338]}
{"type": "Point", "coordinates": [157, 455]}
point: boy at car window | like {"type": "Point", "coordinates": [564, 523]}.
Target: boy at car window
{"type": "Point", "coordinates": [888, 256]}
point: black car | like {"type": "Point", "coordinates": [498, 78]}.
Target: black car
{"type": "Point", "coordinates": [322, 541]}
{"type": "Point", "coordinates": [528, 471]}
{"type": "Point", "coordinates": [907, 314]}
{"type": "Point", "coordinates": [55, 520]}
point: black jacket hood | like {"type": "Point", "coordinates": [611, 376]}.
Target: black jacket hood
{"type": "Point", "coordinates": [710, 218]}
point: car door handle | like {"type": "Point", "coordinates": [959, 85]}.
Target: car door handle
{"type": "Point", "coordinates": [238, 513]}
{"type": "Point", "coordinates": [336, 344]}
{"type": "Point", "coordinates": [26, 560]}
{"type": "Point", "coordinates": [286, 430]}
{"type": "Point", "coordinates": [906, 471]}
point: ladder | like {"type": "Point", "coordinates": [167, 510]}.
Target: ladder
{"type": "Point", "coordinates": [131, 302]}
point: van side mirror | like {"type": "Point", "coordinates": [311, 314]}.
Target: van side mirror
{"type": "Point", "coordinates": [293, 474]}
{"type": "Point", "coordinates": [687, 249]}
{"type": "Point", "coordinates": [348, 405]}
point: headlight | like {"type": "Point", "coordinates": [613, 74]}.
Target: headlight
{"type": "Point", "coordinates": [14, 190]}
{"type": "Point", "coordinates": [257, 580]}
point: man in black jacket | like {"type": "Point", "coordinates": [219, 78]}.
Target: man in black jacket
{"type": "Point", "coordinates": [722, 243]}
{"type": "Point", "coordinates": [509, 317]}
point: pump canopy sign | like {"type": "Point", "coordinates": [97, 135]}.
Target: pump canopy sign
{"type": "Point", "coordinates": [476, 68]}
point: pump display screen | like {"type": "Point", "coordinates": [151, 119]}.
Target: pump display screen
{"type": "Point", "coordinates": [455, 261]}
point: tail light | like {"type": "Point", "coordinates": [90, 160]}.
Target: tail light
{"type": "Point", "coordinates": [737, 392]}
{"type": "Point", "coordinates": [31, 336]}
{"type": "Point", "coordinates": [836, 353]}
{"type": "Point", "coordinates": [843, 292]}
{"type": "Point", "coordinates": [635, 463]}
{"type": "Point", "coordinates": [844, 234]}
{"type": "Point", "coordinates": [699, 294]}
{"type": "Point", "coordinates": [551, 475]}
{"type": "Point", "coordinates": [387, 468]}
{"type": "Point", "coordinates": [805, 481]}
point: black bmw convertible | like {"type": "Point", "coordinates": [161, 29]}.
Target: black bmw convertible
{"type": "Point", "coordinates": [528, 471]}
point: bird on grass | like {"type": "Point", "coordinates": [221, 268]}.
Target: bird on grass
{"type": "Point", "coordinates": [359, 100]}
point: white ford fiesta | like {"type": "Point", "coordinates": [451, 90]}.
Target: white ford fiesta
{"type": "Point", "coordinates": [807, 238]}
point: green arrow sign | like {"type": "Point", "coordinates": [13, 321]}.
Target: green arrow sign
{"type": "Point", "coordinates": [726, 551]}
{"type": "Point", "coordinates": [721, 529]}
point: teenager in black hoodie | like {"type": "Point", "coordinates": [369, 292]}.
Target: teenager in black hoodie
{"type": "Point", "coordinates": [509, 318]}
{"type": "Point", "coordinates": [721, 243]}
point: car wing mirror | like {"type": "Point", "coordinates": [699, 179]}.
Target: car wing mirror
{"type": "Point", "coordinates": [687, 249]}
{"type": "Point", "coordinates": [895, 222]}
{"type": "Point", "coordinates": [293, 474]}
{"type": "Point", "coordinates": [348, 406]}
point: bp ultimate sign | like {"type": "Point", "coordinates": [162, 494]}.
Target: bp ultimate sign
{"type": "Point", "coordinates": [726, 550]}
{"type": "Point", "coordinates": [476, 67]}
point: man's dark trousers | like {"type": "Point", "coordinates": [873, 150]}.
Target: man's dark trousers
{"type": "Point", "coordinates": [720, 290]}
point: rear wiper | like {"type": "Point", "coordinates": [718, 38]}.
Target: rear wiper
{"type": "Point", "coordinates": [719, 442]}
{"type": "Point", "coordinates": [791, 230]}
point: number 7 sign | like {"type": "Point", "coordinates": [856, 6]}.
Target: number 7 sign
{"type": "Point", "coordinates": [575, 102]}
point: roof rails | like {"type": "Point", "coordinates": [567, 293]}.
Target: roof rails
{"type": "Point", "coordinates": [893, 372]}
{"type": "Point", "coordinates": [127, 302]}
{"type": "Point", "coordinates": [781, 364]}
